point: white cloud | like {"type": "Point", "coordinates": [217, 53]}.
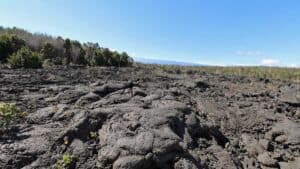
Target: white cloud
{"type": "Point", "coordinates": [133, 54]}
{"type": "Point", "coordinates": [255, 53]}
{"type": "Point", "coordinates": [293, 66]}
{"type": "Point", "coordinates": [270, 62]}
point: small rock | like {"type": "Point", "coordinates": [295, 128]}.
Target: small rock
{"type": "Point", "coordinates": [277, 155]}
{"type": "Point", "coordinates": [297, 114]}
{"type": "Point", "coordinates": [139, 92]}
{"type": "Point", "coordinates": [108, 154]}
{"type": "Point", "coordinates": [265, 143]}
{"type": "Point", "coordinates": [251, 145]}
{"type": "Point", "coordinates": [288, 128]}
{"type": "Point", "coordinates": [43, 114]}
{"type": "Point", "coordinates": [281, 139]}
{"type": "Point", "coordinates": [183, 164]}
{"type": "Point", "coordinates": [78, 147]}
{"type": "Point", "coordinates": [88, 98]}
{"type": "Point", "coordinates": [290, 164]}
{"type": "Point", "coordinates": [266, 160]}
{"type": "Point", "coordinates": [97, 83]}
{"type": "Point", "coordinates": [133, 162]}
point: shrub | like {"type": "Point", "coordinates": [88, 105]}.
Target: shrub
{"type": "Point", "coordinates": [47, 51]}
{"type": "Point", "coordinates": [115, 59]}
{"type": "Point", "coordinates": [93, 135]}
{"type": "Point", "coordinates": [25, 58]}
{"type": "Point", "coordinates": [67, 52]}
{"type": "Point", "coordinates": [125, 59]}
{"type": "Point", "coordinates": [107, 56]}
{"type": "Point", "coordinates": [4, 47]}
{"type": "Point", "coordinates": [8, 45]}
{"type": "Point", "coordinates": [47, 63]}
{"type": "Point", "coordinates": [77, 53]}
{"type": "Point", "coordinates": [66, 162]}
{"type": "Point", "coordinates": [97, 60]}
{"type": "Point", "coordinates": [67, 159]}
{"type": "Point", "coordinates": [8, 113]}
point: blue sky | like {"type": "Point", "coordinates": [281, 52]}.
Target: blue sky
{"type": "Point", "coordinates": [216, 32]}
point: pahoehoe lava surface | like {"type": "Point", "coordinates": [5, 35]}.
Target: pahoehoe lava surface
{"type": "Point", "coordinates": [149, 120]}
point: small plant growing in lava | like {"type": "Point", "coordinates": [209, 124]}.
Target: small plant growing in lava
{"type": "Point", "coordinates": [8, 113]}
{"type": "Point", "coordinates": [93, 135]}
{"type": "Point", "coordinates": [66, 162]}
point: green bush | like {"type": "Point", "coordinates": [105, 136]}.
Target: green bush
{"type": "Point", "coordinates": [67, 52]}
{"type": "Point", "coordinates": [77, 53]}
{"type": "Point", "coordinates": [25, 58]}
{"type": "Point", "coordinates": [47, 63]}
{"type": "Point", "coordinates": [115, 59]}
{"type": "Point", "coordinates": [125, 59]}
{"type": "Point", "coordinates": [48, 51]}
{"type": "Point", "coordinates": [93, 135]}
{"type": "Point", "coordinates": [8, 45]}
{"type": "Point", "coordinates": [97, 59]}
{"type": "Point", "coordinates": [8, 113]}
{"type": "Point", "coordinates": [66, 162]}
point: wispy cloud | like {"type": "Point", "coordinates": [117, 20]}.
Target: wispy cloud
{"type": "Point", "coordinates": [132, 54]}
{"type": "Point", "coordinates": [270, 62]}
{"type": "Point", "coordinates": [262, 58]}
{"type": "Point", "coordinates": [294, 66]}
{"type": "Point", "coordinates": [254, 53]}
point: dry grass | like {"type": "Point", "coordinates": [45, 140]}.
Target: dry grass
{"type": "Point", "coordinates": [281, 73]}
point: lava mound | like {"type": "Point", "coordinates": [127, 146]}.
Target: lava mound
{"type": "Point", "coordinates": [131, 118]}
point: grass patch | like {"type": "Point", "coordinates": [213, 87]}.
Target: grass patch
{"type": "Point", "coordinates": [280, 73]}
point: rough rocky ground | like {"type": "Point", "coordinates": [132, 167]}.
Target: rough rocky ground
{"type": "Point", "coordinates": [144, 119]}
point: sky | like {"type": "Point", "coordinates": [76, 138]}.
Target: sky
{"type": "Point", "coordinates": [212, 32]}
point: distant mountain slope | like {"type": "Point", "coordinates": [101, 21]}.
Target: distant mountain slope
{"type": "Point", "coordinates": [165, 62]}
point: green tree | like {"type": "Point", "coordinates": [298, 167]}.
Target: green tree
{"type": "Point", "coordinates": [9, 44]}
{"type": "Point", "coordinates": [115, 59]}
{"type": "Point", "coordinates": [77, 53]}
{"type": "Point", "coordinates": [107, 55]}
{"type": "Point", "coordinates": [25, 58]}
{"type": "Point", "coordinates": [125, 59]}
{"type": "Point", "coordinates": [56, 50]}
{"type": "Point", "coordinates": [97, 59]}
{"type": "Point", "coordinates": [4, 47]}
{"type": "Point", "coordinates": [48, 51]}
{"type": "Point", "coordinates": [67, 52]}
{"type": "Point", "coordinates": [92, 53]}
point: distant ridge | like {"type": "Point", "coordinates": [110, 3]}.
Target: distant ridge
{"type": "Point", "coordinates": [164, 62]}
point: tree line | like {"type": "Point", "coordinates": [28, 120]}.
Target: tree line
{"type": "Point", "coordinates": [20, 48]}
